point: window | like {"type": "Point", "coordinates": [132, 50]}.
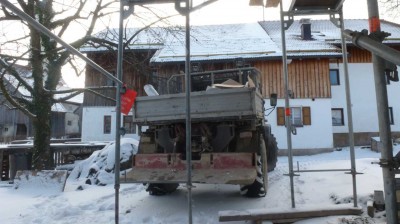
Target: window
{"type": "Point", "coordinates": [334, 77]}
{"type": "Point", "coordinates": [69, 123]}
{"type": "Point", "coordinates": [110, 82]}
{"type": "Point", "coordinates": [5, 129]}
{"type": "Point", "coordinates": [297, 118]}
{"type": "Point", "coordinates": [129, 126]}
{"type": "Point", "coordinates": [300, 116]}
{"type": "Point", "coordinates": [337, 117]}
{"type": "Point", "coordinates": [391, 121]}
{"type": "Point", "coordinates": [107, 124]}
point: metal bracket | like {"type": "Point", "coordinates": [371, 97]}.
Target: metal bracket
{"type": "Point", "coordinates": [353, 173]}
{"type": "Point", "coordinates": [391, 164]}
{"type": "Point", "coordinates": [293, 174]}
{"type": "Point", "coordinates": [183, 6]}
{"type": "Point", "coordinates": [122, 131]}
{"type": "Point", "coordinates": [379, 36]}
{"type": "Point", "coordinates": [129, 11]}
{"type": "Point", "coordinates": [334, 17]}
{"type": "Point", "coordinates": [289, 21]}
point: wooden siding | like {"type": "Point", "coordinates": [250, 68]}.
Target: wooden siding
{"type": "Point", "coordinates": [358, 55]}
{"type": "Point", "coordinates": [136, 73]}
{"type": "Point", "coordinates": [308, 78]}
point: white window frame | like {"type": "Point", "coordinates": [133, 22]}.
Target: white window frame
{"type": "Point", "coordinates": [341, 118]}
{"type": "Point", "coordinates": [296, 116]}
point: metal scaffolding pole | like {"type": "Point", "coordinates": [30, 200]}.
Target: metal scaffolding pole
{"type": "Point", "coordinates": [309, 10]}
{"type": "Point", "coordinates": [188, 116]}
{"type": "Point", "coordinates": [383, 117]}
{"type": "Point", "coordinates": [353, 171]}
{"type": "Point", "coordinates": [288, 121]}
{"type": "Point", "coordinates": [118, 110]}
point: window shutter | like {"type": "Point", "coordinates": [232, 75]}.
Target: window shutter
{"type": "Point", "coordinates": [306, 116]}
{"type": "Point", "coordinates": [281, 116]}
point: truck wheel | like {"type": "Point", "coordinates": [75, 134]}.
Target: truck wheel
{"type": "Point", "coordinates": [161, 189]}
{"type": "Point", "coordinates": [272, 152]}
{"type": "Point", "coordinates": [259, 187]}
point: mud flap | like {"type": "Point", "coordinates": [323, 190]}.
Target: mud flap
{"type": "Point", "coordinates": [49, 181]}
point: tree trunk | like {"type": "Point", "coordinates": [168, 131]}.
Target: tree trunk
{"type": "Point", "coordinates": [42, 158]}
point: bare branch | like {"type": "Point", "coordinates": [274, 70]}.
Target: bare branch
{"type": "Point", "coordinates": [4, 65]}
{"type": "Point", "coordinates": [64, 23]}
{"type": "Point", "coordinates": [144, 28]}
{"type": "Point", "coordinates": [8, 15]}
{"type": "Point", "coordinates": [80, 89]}
{"type": "Point", "coordinates": [12, 101]}
{"type": "Point", "coordinates": [77, 91]}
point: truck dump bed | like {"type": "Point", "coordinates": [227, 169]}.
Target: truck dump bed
{"type": "Point", "coordinates": [218, 104]}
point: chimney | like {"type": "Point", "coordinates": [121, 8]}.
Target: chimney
{"type": "Point", "coordinates": [305, 29]}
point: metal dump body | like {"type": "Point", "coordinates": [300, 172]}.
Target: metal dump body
{"type": "Point", "coordinates": [219, 104]}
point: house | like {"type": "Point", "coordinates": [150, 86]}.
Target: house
{"type": "Point", "coordinates": [15, 125]}
{"type": "Point", "coordinates": [316, 77]}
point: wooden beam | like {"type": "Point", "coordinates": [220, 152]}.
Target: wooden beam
{"type": "Point", "coordinates": [277, 217]}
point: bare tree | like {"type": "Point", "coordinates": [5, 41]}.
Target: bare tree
{"type": "Point", "coordinates": [22, 44]}
{"type": "Point", "coordinates": [392, 7]}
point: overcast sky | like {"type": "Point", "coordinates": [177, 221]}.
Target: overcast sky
{"type": "Point", "coordinates": [239, 11]}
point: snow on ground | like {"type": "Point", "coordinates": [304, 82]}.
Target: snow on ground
{"type": "Point", "coordinates": [95, 204]}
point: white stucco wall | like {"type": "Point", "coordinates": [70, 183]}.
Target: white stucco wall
{"type": "Point", "coordinates": [92, 124]}
{"type": "Point", "coordinates": [73, 128]}
{"type": "Point", "coordinates": [363, 98]}
{"type": "Point", "coordinates": [316, 135]}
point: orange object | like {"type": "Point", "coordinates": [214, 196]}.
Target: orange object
{"type": "Point", "coordinates": [127, 100]}
{"type": "Point", "coordinates": [287, 112]}
{"type": "Point", "coordinates": [374, 24]}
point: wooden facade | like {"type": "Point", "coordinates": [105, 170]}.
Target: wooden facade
{"type": "Point", "coordinates": [308, 78]}
{"type": "Point", "coordinates": [136, 73]}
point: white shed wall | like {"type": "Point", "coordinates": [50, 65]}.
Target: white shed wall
{"type": "Point", "coordinates": [92, 124]}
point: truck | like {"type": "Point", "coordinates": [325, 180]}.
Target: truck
{"type": "Point", "coordinates": [231, 143]}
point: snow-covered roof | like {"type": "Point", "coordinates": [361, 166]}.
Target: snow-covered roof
{"type": "Point", "coordinates": [263, 40]}
{"type": "Point", "coordinates": [146, 39]}
{"type": "Point", "coordinates": [247, 41]}
{"type": "Point", "coordinates": [214, 42]}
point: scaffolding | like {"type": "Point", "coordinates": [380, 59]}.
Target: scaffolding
{"type": "Point", "coordinates": [334, 10]}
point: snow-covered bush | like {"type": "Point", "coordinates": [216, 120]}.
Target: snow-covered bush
{"type": "Point", "coordinates": [99, 167]}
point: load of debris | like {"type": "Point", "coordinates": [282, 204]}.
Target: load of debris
{"type": "Point", "coordinates": [98, 169]}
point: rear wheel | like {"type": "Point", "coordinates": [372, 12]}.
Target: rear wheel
{"type": "Point", "coordinates": [259, 187]}
{"type": "Point", "coordinates": [161, 189]}
{"type": "Point", "coordinates": [272, 152]}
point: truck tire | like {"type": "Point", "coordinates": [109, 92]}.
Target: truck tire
{"type": "Point", "coordinates": [259, 187]}
{"type": "Point", "coordinates": [161, 189]}
{"type": "Point", "coordinates": [272, 151]}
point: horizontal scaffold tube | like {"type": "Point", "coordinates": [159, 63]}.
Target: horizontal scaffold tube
{"type": "Point", "coordinates": [364, 41]}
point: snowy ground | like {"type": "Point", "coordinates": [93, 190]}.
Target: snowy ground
{"type": "Point", "coordinates": [95, 204]}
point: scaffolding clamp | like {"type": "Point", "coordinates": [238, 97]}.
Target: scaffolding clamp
{"type": "Point", "coordinates": [389, 163]}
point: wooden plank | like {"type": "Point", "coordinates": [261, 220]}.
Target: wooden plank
{"type": "Point", "coordinates": [48, 180]}
{"type": "Point", "coordinates": [278, 216]}
{"type": "Point", "coordinates": [379, 201]}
